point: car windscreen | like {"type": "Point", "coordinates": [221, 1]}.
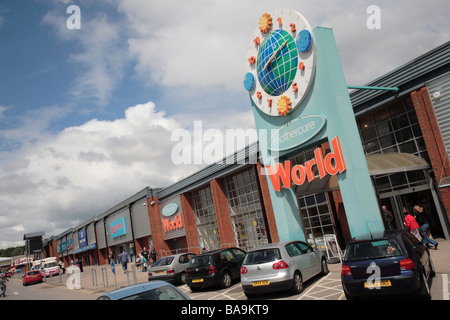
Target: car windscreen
{"type": "Point", "coordinates": [50, 265]}
{"type": "Point", "coordinates": [198, 261]}
{"type": "Point", "coordinates": [374, 249]}
{"type": "Point", "coordinates": [262, 256]}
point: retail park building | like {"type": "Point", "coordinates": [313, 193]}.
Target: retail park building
{"type": "Point", "coordinates": [405, 136]}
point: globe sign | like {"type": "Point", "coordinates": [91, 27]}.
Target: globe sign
{"type": "Point", "coordinates": [276, 76]}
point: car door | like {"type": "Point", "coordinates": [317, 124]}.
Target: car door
{"type": "Point", "coordinates": [230, 262]}
{"type": "Point", "coordinates": [312, 256]}
{"type": "Point", "coordinates": [297, 257]}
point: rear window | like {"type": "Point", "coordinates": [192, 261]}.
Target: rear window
{"type": "Point", "coordinates": [262, 256]}
{"type": "Point", "coordinates": [163, 262]}
{"type": "Point", "coordinates": [198, 261]}
{"type": "Point", "coordinates": [33, 273]}
{"type": "Point", "coordinates": [376, 249]}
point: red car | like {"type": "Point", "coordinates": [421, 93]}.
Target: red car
{"type": "Point", "coordinates": [32, 276]}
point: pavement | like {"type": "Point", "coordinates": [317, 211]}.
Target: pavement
{"type": "Point", "coordinates": [100, 279]}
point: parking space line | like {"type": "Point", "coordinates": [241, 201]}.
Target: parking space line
{"type": "Point", "coordinates": [445, 285]}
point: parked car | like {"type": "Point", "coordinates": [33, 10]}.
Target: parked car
{"type": "Point", "coordinates": [171, 268]}
{"type": "Point", "coordinates": [153, 290]}
{"type": "Point", "coordinates": [281, 266]}
{"type": "Point", "coordinates": [390, 262]}
{"type": "Point", "coordinates": [32, 276]}
{"type": "Point", "coordinates": [218, 267]}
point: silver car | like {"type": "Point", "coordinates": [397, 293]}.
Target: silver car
{"type": "Point", "coordinates": [281, 266]}
{"type": "Point", "coordinates": [171, 268]}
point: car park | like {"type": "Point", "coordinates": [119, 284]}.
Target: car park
{"type": "Point", "coordinates": [171, 268]}
{"type": "Point", "coordinates": [153, 290]}
{"type": "Point", "coordinates": [389, 262]}
{"type": "Point", "coordinates": [280, 266]}
{"type": "Point", "coordinates": [33, 276]}
{"type": "Point", "coordinates": [217, 267]}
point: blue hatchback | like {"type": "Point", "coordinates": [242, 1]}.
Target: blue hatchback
{"type": "Point", "coordinates": [391, 262]}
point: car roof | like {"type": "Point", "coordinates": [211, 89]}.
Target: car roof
{"type": "Point", "coordinates": [273, 245]}
{"type": "Point", "coordinates": [136, 288]}
{"type": "Point", "coordinates": [176, 255]}
{"type": "Point", "coordinates": [377, 235]}
{"type": "Point", "coordinates": [217, 250]}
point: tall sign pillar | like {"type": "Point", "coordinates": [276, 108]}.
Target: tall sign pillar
{"type": "Point", "coordinates": [300, 99]}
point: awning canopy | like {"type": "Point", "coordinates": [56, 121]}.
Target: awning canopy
{"type": "Point", "coordinates": [382, 163]}
{"type": "Point", "coordinates": [445, 182]}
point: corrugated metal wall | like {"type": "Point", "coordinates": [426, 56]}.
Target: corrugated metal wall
{"type": "Point", "coordinates": [439, 90]}
{"type": "Point", "coordinates": [141, 222]}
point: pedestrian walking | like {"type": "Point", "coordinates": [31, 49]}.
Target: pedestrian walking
{"type": "Point", "coordinates": [123, 258]}
{"type": "Point", "coordinates": [388, 218]}
{"type": "Point", "coordinates": [154, 256]}
{"type": "Point", "coordinates": [145, 253]}
{"type": "Point", "coordinates": [411, 224]}
{"type": "Point", "coordinates": [422, 220]}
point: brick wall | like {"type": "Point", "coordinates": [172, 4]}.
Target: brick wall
{"type": "Point", "coordinates": [222, 214]}
{"type": "Point", "coordinates": [433, 140]}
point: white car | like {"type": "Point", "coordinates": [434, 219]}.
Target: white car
{"type": "Point", "coordinates": [281, 266]}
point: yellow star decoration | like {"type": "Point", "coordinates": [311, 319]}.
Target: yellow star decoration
{"type": "Point", "coordinates": [265, 22]}
{"type": "Point", "coordinates": [284, 105]}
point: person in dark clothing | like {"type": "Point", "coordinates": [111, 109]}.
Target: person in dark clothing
{"type": "Point", "coordinates": [422, 220]}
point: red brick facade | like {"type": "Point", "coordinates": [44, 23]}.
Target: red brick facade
{"type": "Point", "coordinates": [433, 140]}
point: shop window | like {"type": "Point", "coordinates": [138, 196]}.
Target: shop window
{"type": "Point", "coordinates": [381, 115]}
{"type": "Point", "coordinates": [387, 141]}
{"type": "Point", "coordinates": [384, 128]}
{"type": "Point", "coordinates": [400, 122]}
{"type": "Point", "coordinates": [365, 122]}
{"type": "Point", "coordinates": [205, 218]}
{"type": "Point", "coordinates": [404, 135]}
{"type": "Point", "coordinates": [369, 134]}
{"type": "Point", "coordinates": [245, 210]}
{"type": "Point", "coordinates": [316, 215]}
{"type": "Point", "coordinates": [396, 109]}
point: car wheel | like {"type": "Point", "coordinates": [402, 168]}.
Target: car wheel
{"type": "Point", "coordinates": [325, 269]}
{"type": "Point", "coordinates": [297, 285]}
{"type": "Point", "coordinates": [225, 282]}
{"type": "Point", "coordinates": [182, 279]}
{"type": "Point", "coordinates": [425, 291]}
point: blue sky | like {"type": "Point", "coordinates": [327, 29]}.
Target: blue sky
{"type": "Point", "coordinates": [86, 115]}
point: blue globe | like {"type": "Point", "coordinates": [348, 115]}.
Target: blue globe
{"type": "Point", "coordinates": [279, 74]}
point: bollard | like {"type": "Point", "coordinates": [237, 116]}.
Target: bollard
{"type": "Point", "coordinates": [128, 277]}
{"type": "Point", "coordinates": [94, 283]}
{"type": "Point", "coordinates": [133, 269]}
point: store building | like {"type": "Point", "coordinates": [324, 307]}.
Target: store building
{"type": "Point", "coordinates": [405, 135]}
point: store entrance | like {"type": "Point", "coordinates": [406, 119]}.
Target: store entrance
{"type": "Point", "coordinates": [404, 199]}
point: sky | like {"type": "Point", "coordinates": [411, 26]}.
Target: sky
{"type": "Point", "coordinates": [90, 97]}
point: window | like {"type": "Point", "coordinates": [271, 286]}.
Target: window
{"type": "Point", "coordinates": [205, 218]}
{"type": "Point", "coordinates": [316, 215]}
{"type": "Point", "coordinates": [245, 210]}
{"type": "Point", "coordinates": [292, 250]}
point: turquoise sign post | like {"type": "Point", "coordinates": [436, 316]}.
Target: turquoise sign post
{"type": "Point", "coordinates": [300, 99]}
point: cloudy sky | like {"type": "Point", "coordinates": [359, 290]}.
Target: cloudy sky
{"type": "Point", "coordinates": [87, 114]}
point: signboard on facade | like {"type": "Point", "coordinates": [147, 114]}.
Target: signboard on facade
{"type": "Point", "coordinates": [118, 228]}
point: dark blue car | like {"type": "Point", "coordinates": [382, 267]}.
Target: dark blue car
{"type": "Point", "coordinates": [391, 262]}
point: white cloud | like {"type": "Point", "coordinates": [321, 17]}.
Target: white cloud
{"type": "Point", "coordinates": [100, 58]}
{"type": "Point", "coordinates": [55, 181]}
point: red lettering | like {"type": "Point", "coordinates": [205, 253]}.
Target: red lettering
{"type": "Point", "coordinates": [176, 223]}
{"type": "Point", "coordinates": [282, 175]}
{"type": "Point", "coordinates": [280, 172]}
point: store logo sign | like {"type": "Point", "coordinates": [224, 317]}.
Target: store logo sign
{"type": "Point", "coordinates": [170, 209]}
{"type": "Point", "coordinates": [176, 223]}
{"type": "Point", "coordinates": [284, 175]}
{"type": "Point", "coordinates": [118, 228]}
{"type": "Point", "coordinates": [296, 132]}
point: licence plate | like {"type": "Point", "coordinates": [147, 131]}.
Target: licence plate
{"type": "Point", "coordinates": [159, 272]}
{"type": "Point", "coordinates": [382, 283]}
{"type": "Point", "coordinates": [261, 283]}
{"type": "Point", "coordinates": [197, 280]}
